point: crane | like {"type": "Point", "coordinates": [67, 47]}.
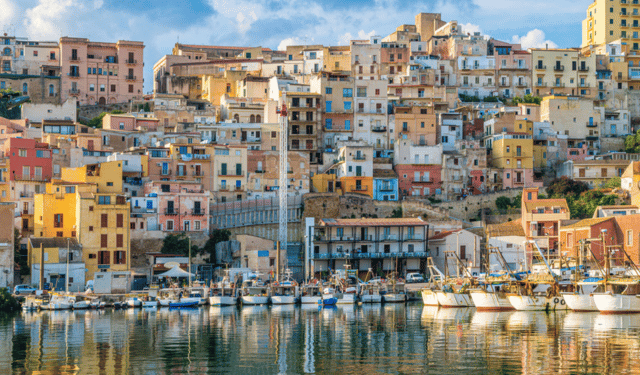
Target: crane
{"type": "Point", "coordinates": [283, 182]}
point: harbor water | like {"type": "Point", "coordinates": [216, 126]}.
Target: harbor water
{"type": "Point", "coordinates": [387, 339]}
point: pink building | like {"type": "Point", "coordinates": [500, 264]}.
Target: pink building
{"type": "Point", "coordinates": [519, 178]}
{"type": "Point", "coordinates": [28, 160]}
{"type": "Point", "coordinates": [182, 206]}
{"type": "Point", "coordinates": [101, 73]}
{"type": "Point", "coordinates": [579, 152]}
{"type": "Point", "coordinates": [128, 122]}
{"type": "Point", "coordinates": [419, 179]}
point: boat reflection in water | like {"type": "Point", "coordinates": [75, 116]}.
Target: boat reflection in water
{"type": "Point", "coordinates": [394, 338]}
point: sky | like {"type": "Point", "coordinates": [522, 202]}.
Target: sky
{"type": "Point", "coordinates": [278, 23]}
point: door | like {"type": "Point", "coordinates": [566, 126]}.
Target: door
{"type": "Point", "coordinates": [170, 208]}
{"type": "Point", "coordinates": [90, 145]}
{"type": "Point", "coordinates": [223, 169]}
{"type": "Point", "coordinates": [102, 101]}
{"type": "Point", "coordinates": [187, 226]}
{"type": "Point", "coordinates": [328, 106]}
{"type": "Point", "coordinates": [196, 208]}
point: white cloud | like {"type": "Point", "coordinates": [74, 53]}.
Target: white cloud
{"type": "Point", "coordinates": [289, 42]}
{"type": "Point", "coordinates": [8, 10]}
{"type": "Point", "coordinates": [534, 39]}
{"type": "Point", "coordinates": [470, 28]}
{"type": "Point", "coordinates": [344, 39]}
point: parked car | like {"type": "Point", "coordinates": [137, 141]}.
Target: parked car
{"type": "Point", "coordinates": [415, 278]}
{"type": "Point", "coordinates": [23, 289]}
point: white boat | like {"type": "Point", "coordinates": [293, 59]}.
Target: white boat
{"type": "Point", "coordinates": [57, 302]}
{"type": "Point", "coordinates": [581, 299]}
{"type": "Point", "coordinates": [396, 292]}
{"type": "Point", "coordinates": [348, 297]}
{"type": "Point", "coordinates": [537, 302]}
{"type": "Point", "coordinates": [150, 303]}
{"type": "Point", "coordinates": [96, 303]}
{"type": "Point", "coordinates": [621, 296]}
{"type": "Point", "coordinates": [451, 298]}
{"type": "Point", "coordinates": [223, 293]}
{"type": "Point", "coordinates": [168, 296]}
{"type": "Point", "coordinates": [429, 297]}
{"type": "Point", "coordinates": [490, 297]}
{"type": "Point", "coordinates": [197, 294]}
{"type": "Point", "coordinates": [310, 294]}
{"type": "Point", "coordinates": [255, 292]}
{"type": "Point", "coordinates": [284, 293]}
{"type": "Point", "coordinates": [134, 302]}
{"type": "Point", "coordinates": [80, 304]}
{"type": "Point", "coordinates": [370, 293]}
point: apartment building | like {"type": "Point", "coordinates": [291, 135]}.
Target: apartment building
{"type": "Point", "coordinates": [513, 70]}
{"type": "Point", "coordinates": [417, 124]}
{"type": "Point", "coordinates": [476, 75]}
{"type": "Point", "coordinates": [608, 21]}
{"type": "Point", "coordinates": [382, 245]}
{"type": "Point", "coordinates": [305, 129]}
{"type": "Point", "coordinates": [365, 58]}
{"type": "Point", "coordinates": [593, 172]}
{"type": "Point", "coordinates": [355, 168]}
{"type": "Point", "coordinates": [513, 153]}
{"type": "Point", "coordinates": [99, 72]}
{"type": "Point", "coordinates": [542, 219]}
{"type": "Point", "coordinates": [370, 115]}
{"type": "Point", "coordinates": [563, 72]}
{"type": "Point", "coordinates": [337, 116]}
{"type": "Point", "coordinates": [419, 168]}
{"type": "Point", "coordinates": [182, 206]}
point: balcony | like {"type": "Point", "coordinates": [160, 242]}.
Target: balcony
{"type": "Point", "coordinates": [423, 181]}
{"type": "Point", "coordinates": [74, 58]}
{"type": "Point", "coordinates": [592, 124]}
{"type": "Point", "coordinates": [131, 61]}
{"type": "Point", "coordinates": [165, 172]}
{"type": "Point", "coordinates": [26, 194]}
{"type": "Point", "coordinates": [558, 68]}
{"type": "Point", "coordinates": [181, 175]}
{"type": "Point", "coordinates": [230, 174]}
{"type": "Point", "coordinates": [198, 174]}
{"type": "Point", "coordinates": [130, 78]}
{"type": "Point", "coordinates": [359, 189]}
{"type": "Point", "coordinates": [387, 188]}
{"type": "Point", "coordinates": [360, 157]}
{"type": "Point", "coordinates": [171, 211]}
{"type": "Point", "coordinates": [583, 68]}
{"type": "Point", "coordinates": [74, 92]}
{"type": "Point", "coordinates": [238, 188]}
{"type": "Point", "coordinates": [504, 84]}
{"type": "Point", "coordinates": [540, 67]}
{"type": "Point", "coordinates": [74, 75]}
{"type": "Point", "coordinates": [197, 212]}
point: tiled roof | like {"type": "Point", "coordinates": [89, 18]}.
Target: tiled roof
{"type": "Point", "coordinates": [444, 234]}
{"type": "Point", "coordinates": [546, 203]}
{"type": "Point", "coordinates": [586, 223]}
{"type": "Point", "coordinates": [510, 228]}
{"type": "Point", "coordinates": [220, 47]}
{"type": "Point", "coordinates": [369, 222]}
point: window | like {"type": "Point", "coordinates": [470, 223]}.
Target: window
{"type": "Point", "coordinates": [328, 90]}
{"type": "Point", "coordinates": [347, 93]}
{"type": "Point", "coordinates": [169, 224]}
{"type": "Point", "coordinates": [120, 257]}
{"type": "Point", "coordinates": [130, 88]}
{"type": "Point", "coordinates": [104, 220]}
{"type": "Point", "coordinates": [104, 240]}
{"type": "Point", "coordinates": [629, 238]}
{"type": "Point", "coordinates": [104, 257]}
{"type": "Point", "coordinates": [57, 221]}
{"type": "Point", "coordinates": [92, 87]}
{"type": "Point", "coordinates": [22, 153]}
{"type": "Point", "coordinates": [104, 199]}
{"type": "Point", "coordinates": [119, 221]}
{"type": "Point", "coordinates": [119, 240]}
{"type": "Point", "coordinates": [132, 225]}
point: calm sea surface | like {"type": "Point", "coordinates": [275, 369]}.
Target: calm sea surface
{"type": "Point", "coordinates": [389, 339]}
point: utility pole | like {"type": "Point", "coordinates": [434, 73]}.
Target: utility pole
{"type": "Point", "coordinates": [41, 266]}
{"type": "Point", "coordinates": [66, 278]}
{"type": "Point", "coordinates": [189, 261]}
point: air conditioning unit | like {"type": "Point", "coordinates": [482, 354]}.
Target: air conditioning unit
{"type": "Point", "coordinates": [159, 164]}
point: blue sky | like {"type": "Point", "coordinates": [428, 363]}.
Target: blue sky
{"type": "Point", "coordinates": [276, 23]}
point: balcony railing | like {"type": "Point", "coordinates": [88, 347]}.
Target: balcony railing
{"type": "Point", "coordinates": [540, 67]}
{"type": "Point", "coordinates": [130, 78]}
{"type": "Point", "coordinates": [165, 172]}
{"type": "Point", "coordinates": [387, 189]}
{"type": "Point", "coordinates": [171, 212]}
{"type": "Point", "coordinates": [423, 181]}
{"type": "Point", "coordinates": [583, 68]}
{"type": "Point", "coordinates": [230, 174]}
{"type": "Point", "coordinates": [131, 61]}
{"type": "Point", "coordinates": [558, 68]}
{"type": "Point", "coordinates": [197, 212]}
{"type": "Point", "coordinates": [198, 174]}
{"type": "Point", "coordinates": [74, 75]}
{"type": "Point", "coordinates": [592, 124]}
{"type": "Point", "coordinates": [74, 58]}
{"type": "Point", "coordinates": [359, 188]}
{"type": "Point", "coordinates": [74, 92]}
{"type": "Point", "coordinates": [360, 157]}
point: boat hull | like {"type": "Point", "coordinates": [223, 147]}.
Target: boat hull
{"type": "Point", "coordinates": [371, 298]}
{"type": "Point", "coordinates": [222, 301]}
{"type": "Point", "coordinates": [347, 299]}
{"type": "Point", "coordinates": [531, 303]}
{"type": "Point", "coordinates": [616, 303]}
{"type": "Point", "coordinates": [255, 300]}
{"type": "Point", "coordinates": [490, 301]}
{"type": "Point", "coordinates": [580, 302]}
{"type": "Point", "coordinates": [395, 298]}
{"type": "Point", "coordinates": [150, 304]}
{"type": "Point", "coordinates": [179, 305]}
{"type": "Point", "coordinates": [447, 299]}
{"type": "Point", "coordinates": [134, 302]}
{"type": "Point", "coordinates": [429, 298]}
{"type": "Point", "coordinates": [167, 302]}
{"type": "Point", "coordinates": [329, 301]}
{"type": "Point", "coordinates": [305, 300]}
{"type": "Point", "coordinates": [81, 305]}
{"type": "Point", "coordinates": [283, 300]}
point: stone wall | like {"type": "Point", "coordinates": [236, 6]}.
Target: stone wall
{"type": "Point", "coordinates": [470, 207]}
{"type": "Point", "coordinates": [87, 112]}
{"type": "Point", "coordinates": [140, 246]}
{"type": "Point", "coordinates": [611, 144]}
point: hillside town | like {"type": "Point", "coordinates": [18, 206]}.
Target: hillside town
{"type": "Point", "coordinates": [399, 148]}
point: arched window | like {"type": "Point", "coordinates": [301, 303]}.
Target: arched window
{"type": "Point", "coordinates": [25, 88]}
{"type": "Point", "coordinates": [51, 90]}
{"type": "Point", "coordinates": [7, 52]}
{"type": "Point", "coordinates": [252, 119]}
{"type": "Point", "coordinates": [236, 117]}
{"type": "Point", "coordinates": [259, 119]}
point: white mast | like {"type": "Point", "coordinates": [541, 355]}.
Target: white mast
{"type": "Point", "coordinates": [283, 179]}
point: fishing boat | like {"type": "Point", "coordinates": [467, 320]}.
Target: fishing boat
{"type": "Point", "coordinates": [346, 283]}
{"type": "Point", "coordinates": [255, 292]}
{"type": "Point", "coordinates": [150, 303]}
{"type": "Point", "coordinates": [224, 293]}
{"type": "Point", "coordinates": [310, 293]}
{"type": "Point", "coordinates": [328, 297]}
{"type": "Point", "coordinates": [80, 303]}
{"type": "Point", "coordinates": [96, 303]}
{"type": "Point", "coordinates": [179, 305]}
{"type": "Point", "coordinates": [395, 290]}
{"type": "Point", "coordinates": [167, 296]}
{"type": "Point", "coordinates": [198, 294]}
{"type": "Point", "coordinates": [539, 291]}
{"type": "Point", "coordinates": [57, 302]}
{"type": "Point", "coordinates": [370, 292]}
{"type": "Point", "coordinates": [454, 292]}
{"type": "Point", "coordinates": [620, 294]}
{"type": "Point", "coordinates": [580, 298]}
{"type": "Point", "coordinates": [491, 293]}
{"type": "Point", "coordinates": [134, 302]}
{"type": "Point", "coordinates": [285, 291]}
{"type": "Point", "coordinates": [436, 277]}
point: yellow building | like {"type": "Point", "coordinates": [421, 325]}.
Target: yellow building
{"type": "Point", "coordinates": [608, 20]}
{"type": "Point", "coordinates": [572, 116]}
{"type": "Point", "coordinates": [512, 151]}
{"type": "Point", "coordinates": [337, 59]}
{"type": "Point", "coordinates": [325, 183]}
{"type": "Point", "coordinates": [107, 176]}
{"type": "Point", "coordinates": [563, 71]}
{"type": "Point", "coordinates": [214, 86]}
{"type": "Point", "coordinates": [630, 181]}
{"type": "Point", "coordinates": [355, 168]}
{"type": "Point", "coordinates": [539, 156]}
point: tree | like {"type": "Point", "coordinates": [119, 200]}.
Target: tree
{"type": "Point", "coordinates": [20, 260]}
{"type": "Point", "coordinates": [8, 111]}
{"type": "Point", "coordinates": [218, 235]}
{"type": "Point", "coordinates": [565, 187]}
{"type": "Point", "coordinates": [503, 203]}
{"type": "Point", "coordinates": [178, 244]}
{"type": "Point", "coordinates": [146, 107]}
{"type": "Point", "coordinates": [632, 143]}
{"type": "Point", "coordinates": [613, 183]}
{"type": "Point", "coordinates": [397, 213]}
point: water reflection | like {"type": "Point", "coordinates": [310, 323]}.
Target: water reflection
{"type": "Point", "coordinates": [393, 338]}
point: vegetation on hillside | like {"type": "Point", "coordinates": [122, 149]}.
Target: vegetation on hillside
{"type": "Point", "coordinates": [13, 113]}
{"type": "Point", "coordinates": [179, 244]}
{"type": "Point", "coordinates": [581, 200]}
{"type": "Point", "coordinates": [96, 122]}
